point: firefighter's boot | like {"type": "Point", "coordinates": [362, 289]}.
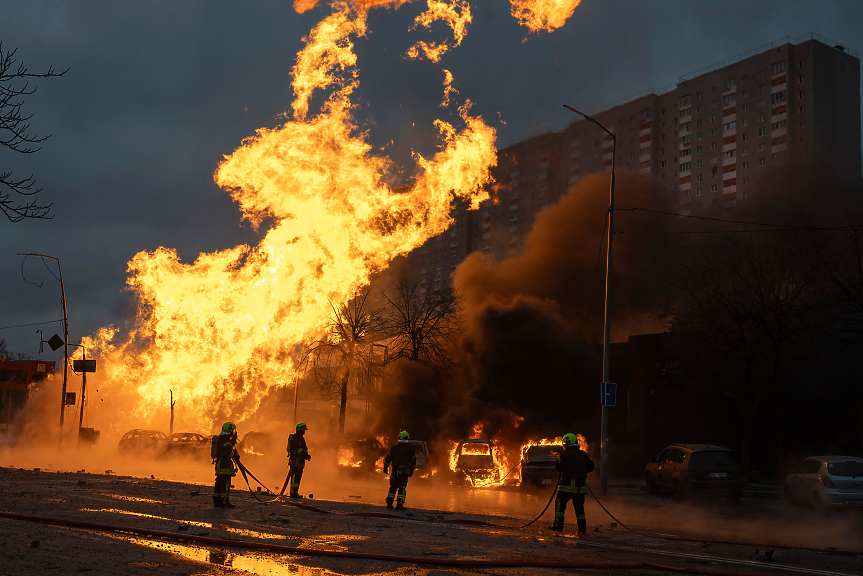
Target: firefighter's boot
{"type": "Point", "coordinates": [400, 506]}
{"type": "Point", "coordinates": [217, 501]}
{"type": "Point", "coordinates": [228, 505]}
{"type": "Point", "coordinates": [295, 495]}
{"type": "Point", "coordinates": [389, 505]}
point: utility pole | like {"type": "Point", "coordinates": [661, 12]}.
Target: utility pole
{"type": "Point", "coordinates": [606, 343]}
{"type": "Point", "coordinates": [83, 392]}
{"type": "Point", "coordinates": [171, 427]}
{"type": "Point", "coordinates": [65, 341]}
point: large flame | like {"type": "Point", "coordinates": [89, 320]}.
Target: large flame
{"type": "Point", "coordinates": [545, 15]}
{"type": "Point", "coordinates": [219, 331]}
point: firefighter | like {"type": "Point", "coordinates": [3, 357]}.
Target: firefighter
{"type": "Point", "coordinates": [298, 454]}
{"type": "Point", "coordinates": [573, 464]}
{"type": "Point", "coordinates": [404, 461]}
{"type": "Point", "coordinates": [224, 456]}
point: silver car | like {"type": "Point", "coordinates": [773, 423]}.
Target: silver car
{"type": "Point", "coordinates": [826, 482]}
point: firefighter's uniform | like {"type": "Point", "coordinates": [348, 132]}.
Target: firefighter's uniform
{"type": "Point", "coordinates": [573, 464]}
{"type": "Point", "coordinates": [404, 461]}
{"type": "Point", "coordinates": [224, 460]}
{"type": "Point", "coordinates": [298, 455]}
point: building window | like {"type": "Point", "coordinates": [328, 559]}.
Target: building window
{"type": "Point", "coordinates": [745, 94]}
{"type": "Point", "coordinates": [729, 154]}
{"type": "Point", "coordinates": [762, 102]}
{"type": "Point", "coordinates": [729, 126]}
{"type": "Point", "coordinates": [778, 125]}
{"type": "Point", "coordinates": [686, 152]}
{"type": "Point", "coordinates": [662, 164]}
{"type": "Point", "coordinates": [746, 122]}
{"type": "Point", "coordinates": [684, 100]}
{"type": "Point", "coordinates": [778, 68]}
{"type": "Point", "coordinates": [746, 79]}
{"type": "Point", "coordinates": [762, 131]}
{"type": "Point", "coordinates": [698, 122]}
{"type": "Point", "coordinates": [714, 187]}
{"type": "Point", "coordinates": [801, 79]}
{"type": "Point", "coordinates": [713, 118]}
{"type": "Point", "coordinates": [713, 145]}
{"type": "Point", "coordinates": [778, 97]}
{"type": "Point", "coordinates": [745, 137]}
{"type": "Point", "coordinates": [729, 98]}
{"type": "Point", "coordinates": [645, 164]}
{"type": "Point", "coordinates": [762, 161]}
{"type": "Point", "coordinates": [746, 151]}
{"type": "Point", "coordinates": [729, 84]}
{"type": "Point", "coordinates": [762, 147]}
{"type": "Point", "coordinates": [761, 88]}
{"type": "Point", "coordinates": [713, 132]}
{"type": "Point", "coordinates": [802, 63]}
{"type": "Point", "coordinates": [663, 111]}
{"type": "Point", "coordinates": [714, 104]}
{"type": "Point", "coordinates": [685, 126]}
{"type": "Point", "coordinates": [698, 96]}
{"type": "Point", "coordinates": [744, 108]}
{"type": "Point", "coordinates": [803, 109]}
{"type": "Point", "coordinates": [761, 74]}
{"type": "Point", "coordinates": [700, 108]}
{"type": "Point", "coordinates": [714, 90]}
{"type": "Point", "coordinates": [664, 124]}
{"type": "Point", "coordinates": [698, 163]}
{"type": "Point", "coordinates": [802, 123]}
{"type": "Point", "coordinates": [714, 160]}
{"type": "Point", "coordinates": [746, 165]}
{"type": "Point", "coordinates": [698, 149]}
{"type": "Point", "coordinates": [644, 151]}
{"type": "Point", "coordinates": [686, 166]}
{"type": "Point", "coordinates": [685, 193]}
{"type": "Point", "coordinates": [698, 178]}
{"type": "Point", "coordinates": [803, 93]}
{"type": "Point", "coordinates": [698, 191]}
{"type": "Point", "coordinates": [699, 136]}
{"type": "Point", "coordinates": [803, 139]}
{"type": "Point", "coordinates": [685, 139]}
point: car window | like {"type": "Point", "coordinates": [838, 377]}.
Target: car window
{"type": "Point", "coordinates": [475, 449]}
{"type": "Point", "coordinates": [664, 456]}
{"type": "Point", "coordinates": [848, 468]}
{"type": "Point", "coordinates": [712, 458]}
{"type": "Point", "coordinates": [801, 468]}
{"type": "Point", "coordinates": [813, 467]}
{"type": "Point", "coordinates": [681, 457]}
{"type": "Point", "coordinates": [671, 456]}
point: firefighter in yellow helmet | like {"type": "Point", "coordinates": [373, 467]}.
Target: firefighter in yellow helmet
{"type": "Point", "coordinates": [403, 459]}
{"type": "Point", "coordinates": [224, 456]}
{"type": "Point", "coordinates": [298, 455]}
{"type": "Point", "coordinates": [573, 465]}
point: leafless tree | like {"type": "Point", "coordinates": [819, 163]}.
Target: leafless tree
{"type": "Point", "coordinates": [15, 135]}
{"type": "Point", "coordinates": [345, 345]}
{"type": "Point", "coordinates": [840, 259]}
{"type": "Point", "coordinates": [742, 312]}
{"type": "Point", "coordinates": [422, 325]}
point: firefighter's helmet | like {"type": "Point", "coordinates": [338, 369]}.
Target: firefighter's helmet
{"type": "Point", "coordinates": [302, 426]}
{"type": "Point", "coordinates": [403, 435]}
{"type": "Point", "coordinates": [229, 427]}
{"type": "Point", "coordinates": [570, 440]}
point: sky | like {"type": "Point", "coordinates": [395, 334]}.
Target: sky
{"type": "Point", "coordinates": [159, 91]}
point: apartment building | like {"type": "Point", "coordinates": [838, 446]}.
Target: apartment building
{"type": "Point", "coordinates": [701, 145]}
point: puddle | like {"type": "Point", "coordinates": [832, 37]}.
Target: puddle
{"type": "Point", "coordinates": [224, 527]}
{"type": "Point", "coordinates": [131, 498]}
{"type": "Point", "coordinates": [254, 563]}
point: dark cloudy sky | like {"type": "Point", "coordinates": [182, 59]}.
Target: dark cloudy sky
{"type": "Point", "coordinates": [158, 91]}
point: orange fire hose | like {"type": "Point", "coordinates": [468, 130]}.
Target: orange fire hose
{"type": "Point", "coordinates": [366, 556]}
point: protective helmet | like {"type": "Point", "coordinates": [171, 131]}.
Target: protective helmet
{"type": "Point", "coordinates": [302, 425]}
{"type": "Point", "coordinates": [229, 427]}
{"type": "Point", "coordinates": [403, 435]}
{"type": "Point", "coordinates": [570, 439]}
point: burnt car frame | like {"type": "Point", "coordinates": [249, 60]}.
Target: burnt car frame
{"type": "Point", "coordinates": [188, 444]}
{"type": "Point", "coordinates": [538, 467]}
{"type": "Point", "coordinates": [475, 459]}
{"type": "Point", "coordinates": [139, 440]}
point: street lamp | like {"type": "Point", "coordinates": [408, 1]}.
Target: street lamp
{"type": "Point", "coordinates": [606, 344]}
{"type": "Point", "coordinates": [65, 339]}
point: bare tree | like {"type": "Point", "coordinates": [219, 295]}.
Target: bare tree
{"type": "Point", "coordinates": [742, 312]}
{"type": "Point", "coordinates": [840, 259]}
{"type": "Point", "coordinates": [346, 344]}
{"type": "Point", "coordinates": [15, 135]}
{"type": "Point", "coordinates": [422, 325]}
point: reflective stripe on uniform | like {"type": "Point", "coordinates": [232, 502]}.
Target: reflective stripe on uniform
{"type": "Point", "coordinates": [572, 488]}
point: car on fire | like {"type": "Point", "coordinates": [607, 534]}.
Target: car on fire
{"type": "Point", "coordinates": [474, 459]}
{"type": "Point", "coordinates": [362, 454]}
{"type": "Point", "coordinates": [188, 445]}
{"type": "Point", "coordinates": [690, 469]}
{"type": "Point", "coordinates": [538, 465]}
{"type": "Point", "coordinates": [424, 457]}
{"type": "Point", "coordinates": [826, 482]}
{"type": "Point", "coordinates": [256, 444]}
{"type": "Point", "coordinates": [140, 441]}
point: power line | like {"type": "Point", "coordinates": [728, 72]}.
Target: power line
{"type": "Point", "coordinates": [772, 224]}
{"type": "Point", "coordinates": [32, 324]}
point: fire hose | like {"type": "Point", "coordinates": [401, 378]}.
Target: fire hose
{"type": "Point", "coordinates": [366, 556]}
{"type": "Point", "coordinates": [833, 551]}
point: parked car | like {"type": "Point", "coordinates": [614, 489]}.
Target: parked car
{"type": "Point", "coordinates": [538, 465]}
{"type": "Point", "coordinates": [256, 444]}
{"type": "Point", "coordinates": [188, 445]}
{"type": "Point", "coordinates": [826, 482]}
{"type": "Point", "coordinates": [475, 459]}
{"type": "Point", "coordinates": [689, 469]}
{"type": "Point", "coordinates": [142, 441]}
{"type": "Point", "coordinates": [424, 458]}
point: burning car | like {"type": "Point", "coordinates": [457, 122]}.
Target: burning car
{"type": "Point", "coordinates": [362, 454]}
{"type": "Point", "coordinates": [538, 465]}
{"type": "Point", "coordinates": [256, 444]}
{"type": "Point", "coordinates": [424, 458]}
{"type": "Point", "coordinates": [474, 459]}
{"type": "Point", "coordinates": [188, 445]}
{"type": "Point", "coordinates": [138, 441]}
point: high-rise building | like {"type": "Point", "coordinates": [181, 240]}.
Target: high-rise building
{"type": "Point", "coordinates": [702, 145]}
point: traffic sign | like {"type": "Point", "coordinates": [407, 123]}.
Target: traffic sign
{"type": "Point", "coordinates": [609, 394]}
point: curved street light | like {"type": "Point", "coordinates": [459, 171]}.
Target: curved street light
{"type": "Point", "coordinates": [606, 344]}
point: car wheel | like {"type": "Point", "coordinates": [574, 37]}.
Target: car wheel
{"type": "Point", "coordinates": [679, 491]}
{"type": "Point", "coordinates": [650, 484]}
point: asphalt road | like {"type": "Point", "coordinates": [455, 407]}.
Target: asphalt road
{"type": "Point", "coordinates": [186, 508]}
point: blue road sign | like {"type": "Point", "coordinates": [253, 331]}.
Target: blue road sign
{"type": "Point", "coordinates": [609, 394]}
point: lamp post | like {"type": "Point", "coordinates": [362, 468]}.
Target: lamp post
{"type": "Point", "coordinates": [65, 340]}
{"type": "Point", "coordinates": [606, 344]}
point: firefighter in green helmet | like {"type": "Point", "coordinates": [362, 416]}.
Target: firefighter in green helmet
{"type": "Point", "coordinates": [224, 456]}
{"type": "Point", "coordinates": [298, 455]}
{"type": "Point", "coordinates": [573, 465]}
{"type": "Point", "coordinates": [403, 459]}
